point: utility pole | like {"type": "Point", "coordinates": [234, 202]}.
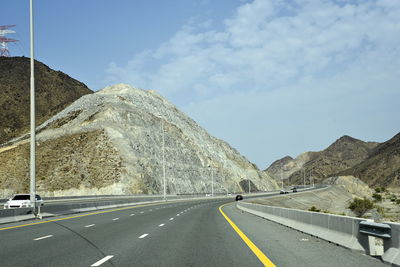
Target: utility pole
{"type": "Point", "coordinates": [33, 134]}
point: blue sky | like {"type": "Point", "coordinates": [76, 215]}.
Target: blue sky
{"type": "Point", "coordinates": [270, 77]}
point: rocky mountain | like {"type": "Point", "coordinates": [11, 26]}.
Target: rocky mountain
{"type": "Point", "coordinates": [341, 155]}
{"type": "Point", "coordinates": [111, 142]}
{"type": "Point", "coordinates": [382, 166]}
{"type": "Point", "coordinates": [285, 167]}
{"type": "Point", "coordinates": [54, 91]}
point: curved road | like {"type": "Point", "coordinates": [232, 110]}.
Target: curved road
{"type": "Point", "coordinates": [190, 233]}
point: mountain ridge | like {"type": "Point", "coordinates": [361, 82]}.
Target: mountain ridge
{"type": "Point", "coordinates": [130, 120]}
{"type": "Point", "coordinates": [54, 90]}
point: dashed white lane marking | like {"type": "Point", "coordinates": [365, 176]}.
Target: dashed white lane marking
{"type": "Point", "coordinates": [89, 225]}
{"type": "Point", "coordinates": [150, 210]}
{"type": "Point", "coordinates": [161, 225]}
{"type": "Point", "coordinates": [133, 214]}
{"type": "Point", "coordinates": [43, 237]}
{"type": "Point", "coordinates": [103, 260]}
{"type": "Point", "coordinates": [177, 214]}
{"type": "Point", "coordinates": [143, 236]}
{"type": "Point", "coordinates": [115, 219]}
{"type": "Point", "coordinates": [171, 219]}
{"type": "Point", "coordinates": [142, 212]}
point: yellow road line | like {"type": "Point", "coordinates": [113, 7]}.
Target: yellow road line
{"type": "Point", "coordinates": [260, 255]}
{"type": "Point", "coordinates": [77, 216]}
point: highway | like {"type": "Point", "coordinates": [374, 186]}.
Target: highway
{"type": "Point", "coordinates": [210, 232]}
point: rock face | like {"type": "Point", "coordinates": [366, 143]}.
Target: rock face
{"type": "Point", "coordinates": [111, 142]}
{"type": "Point", "coordinates": [54, 91]}
{"type": "Point", "coordinates": [382, 166]}
{"type": "Point", "coordinates": [351, 184]}
{"type": "Point", "coordinates": [285, 167]}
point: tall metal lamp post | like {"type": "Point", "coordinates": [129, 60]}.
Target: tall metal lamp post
{"type": "Point", "coordinates": [163, 156]}
{"type": "Point", "coordinates": [33, 134]}
{"type": "Point", "coordinates": [163, 160]}
{"type": "Point", "coordinates": [212, 179]}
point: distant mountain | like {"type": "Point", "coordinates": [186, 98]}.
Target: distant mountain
{"type": "Point", "coordinates": [341, 155]}
{"type": "Point", "coordinates": [54, 91]}
{"type": "Point", "coordinates": [381, 167]}
{"type": "Point", "coordinates": [111, 142]}
{"type": "Point", "coordinates": [286, 166]}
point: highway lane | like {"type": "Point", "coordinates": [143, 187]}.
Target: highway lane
{"type": "Point", "coordinates": [190, 233]}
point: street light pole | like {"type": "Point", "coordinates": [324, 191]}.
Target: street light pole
{"type": "Point", "coordinates": [33, 134]}
{"type": "Point", "coordinates": [249, 186]}
{"type": "Point", "coordinates": [212, 182]}
{"type": "Point", "coordinates": [282, 175]}
{"type": "Point", "coordinates": [163, 159]}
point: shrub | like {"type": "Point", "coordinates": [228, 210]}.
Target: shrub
{"type": "Point", "coordinates": [377, 197]}
{"type": "Point", "coordinates": [360, 206]}
{"type": "Point", "coordinates": [313, 208]}
{"type": "Point", "coordinates": [398, 201]}
{"type": "Point", "coordinates": [380, 189]}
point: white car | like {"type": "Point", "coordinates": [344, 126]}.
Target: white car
{"type": "Point", "coordinates": [22, 201]}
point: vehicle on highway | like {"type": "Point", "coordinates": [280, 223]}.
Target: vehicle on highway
{"type": "Point", "coordinates": [239, 197]}
{"type": "Point", "coordinates": [22, 201]}
{"type": "Point", "coordinates": [283, 192]}
{"type": "Point", "coordinates": [294, 189]}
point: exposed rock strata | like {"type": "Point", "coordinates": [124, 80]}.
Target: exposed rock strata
{"type": "Point", "coordinates": [128, 123]}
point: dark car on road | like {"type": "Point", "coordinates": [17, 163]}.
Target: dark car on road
{"type": "Point", "coordinates": [239, 197]}
{"type": "Point", "coordinates": [294, 189]}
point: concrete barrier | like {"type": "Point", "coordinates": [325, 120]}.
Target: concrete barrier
{"type": "Point", "coordinates": [15, 215]}
{"type": "Point", "coordinates": [341, 230]}
{"type": "Point", "coordinates": [391, 247]}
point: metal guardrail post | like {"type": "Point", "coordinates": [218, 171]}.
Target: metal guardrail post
{"type": "Point", "coordinates": [380, 230]}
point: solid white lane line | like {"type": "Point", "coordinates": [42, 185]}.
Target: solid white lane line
{"type": "Point", "coordinates": [43, 237]}
{"type": "Point", "coordinates": [161, 225]}
{"type": "Point", "coordinates": [89, 225]}
{"type": "Point", "coordinates": [143, 236]}
{"type": "Point", "coordinates": [115, 219]}
{"type": "Point", "coordinates": [171, 219]}
{"type": "Point", "coordinates": [103, 260]}
{"type": "Point", "coordinates": [133, 214]}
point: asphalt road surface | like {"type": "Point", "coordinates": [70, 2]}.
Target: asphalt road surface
{"type": "Point", "coordinates": [191, 233]}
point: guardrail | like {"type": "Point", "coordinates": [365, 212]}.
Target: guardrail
{"type": "Point", "coordinates": [391, 247]}
{"type": "Point", "coordinates": [341, 230]}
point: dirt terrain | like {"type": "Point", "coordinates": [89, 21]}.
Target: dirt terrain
{"type": "Point", "coordinates": [336, 198]}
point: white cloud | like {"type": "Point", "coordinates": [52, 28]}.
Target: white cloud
{"type": "Point", "coordinates": [272, 57]}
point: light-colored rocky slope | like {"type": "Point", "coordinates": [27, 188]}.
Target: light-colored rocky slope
{"type": "Point", "coordinates": [334, 199]}
{"type": "Point", "coordinates": [110, 142]}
